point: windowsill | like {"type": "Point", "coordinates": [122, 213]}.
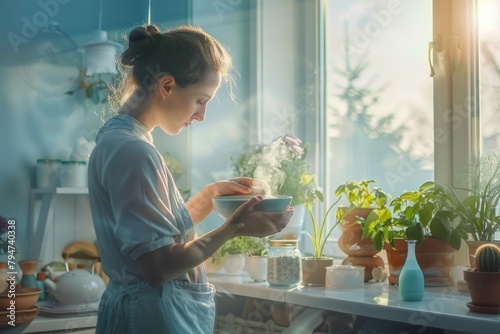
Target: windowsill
{"type": "Point", "coordinates": [442, 307]}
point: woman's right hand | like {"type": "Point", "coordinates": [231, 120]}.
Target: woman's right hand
{"type": "Point", "coordinates": [247, 221]}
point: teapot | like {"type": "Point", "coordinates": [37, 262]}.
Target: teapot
{"type": "Point", "coordinates": [76, 286]}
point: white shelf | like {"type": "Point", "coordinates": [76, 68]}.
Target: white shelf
{"type": "Point", "coordinates": [42, 203]}
{"type": "Point", "coordinates": [443, 307]}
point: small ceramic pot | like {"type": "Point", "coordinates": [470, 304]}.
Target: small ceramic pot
{"type": "Point", "coordinates": [256, 266]}
{"type": "Point", "coordinates": [235, 263]}
{"type": "Point", "coordinates": [344, 277]}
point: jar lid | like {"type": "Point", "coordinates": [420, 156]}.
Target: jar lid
{"type": "Point", "coordinates": [73, 162]}
{"type": "Point", "coordinates": [281, 243]}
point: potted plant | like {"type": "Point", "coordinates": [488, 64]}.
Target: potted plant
{"type": "Point", "coordinates": [314, 268]}
{"type": "Point", "coordinates": [423, 215]}
{"type": "Point", "coordinates": [256, 258]}
{"type": "Point", "coordinates": [230, 256]}
{"type": "Point", "coordinates": [233, 254]}
{"type": "Point", "coordinates": [362, 199]}
{"type": "Point", "coordinates": [477, 210]}
{"type": "Point", "coordinates": [282, 163]}
{"type": "Point", "coordinates": [483, 281]}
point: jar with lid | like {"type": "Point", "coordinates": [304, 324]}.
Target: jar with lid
{"type": "Point", "coordinates": [74, 174]}
{"type": "Point", "coordinates": [283, 263]}
{"type": "Point", "coordinates": [47, 173]}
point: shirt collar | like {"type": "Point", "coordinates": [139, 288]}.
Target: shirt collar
{"type": "Point", "coordinates": [123, 121]}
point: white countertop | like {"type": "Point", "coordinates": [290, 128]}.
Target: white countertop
{"type": "Point", "coordinates": [50, 324]}
{"type": "Point", "coordinates": [443, 307]}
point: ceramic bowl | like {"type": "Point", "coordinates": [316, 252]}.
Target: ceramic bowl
{"type": "Point", "coordinates": [225, 205]}
{"type": "Point", "coordinates": [25, 299]}
{"type": "Point", "coordinates": [22, 317]}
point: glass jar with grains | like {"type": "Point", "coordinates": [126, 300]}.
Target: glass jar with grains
{"type": "Point", "coordinates": [283, 263]}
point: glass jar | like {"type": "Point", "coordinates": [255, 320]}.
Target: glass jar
{"type": "Point", "coordinates": [47, 173]}
{"type": "Point", "coordinates": [283, 263]}
{"type": "Point", "coordinates": [74, 174]}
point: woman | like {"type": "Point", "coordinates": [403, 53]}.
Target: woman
{"type": "Point", "coordinates": [145, 231]}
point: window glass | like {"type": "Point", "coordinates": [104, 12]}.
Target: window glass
{"type": "Point", "coordinates": [489, 66]}
{"type": "Point", "coordinates": [489, 39]}
{"type": "Point", "coordinates": [379, 93]}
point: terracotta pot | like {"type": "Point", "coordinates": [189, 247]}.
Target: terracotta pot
{"type": "Point", "coordinates": [484, 288]}
{"type": "Point", "coordinates": [474, 245]}
{"type": "Point", "coordinates": [28, 266]}
{"type": "Point", "coordinates": [25, 299]}
{"type": "Point", "coordinates": [314, 270]}
{"type": "Point", "coordinates": [434, 257]}
{"type": "Point", "coordinates": [350, 241]}
{"type": "Point", "coordinates": [369, 262]}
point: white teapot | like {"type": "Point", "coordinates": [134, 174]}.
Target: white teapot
{"type": "Point", "coordinates": [76, 286]}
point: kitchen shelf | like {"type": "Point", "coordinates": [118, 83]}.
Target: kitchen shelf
{"type": "Point", "coordinates": [42, 203]}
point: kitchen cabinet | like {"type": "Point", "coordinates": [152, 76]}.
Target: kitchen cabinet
{"type": "Point", "coordinates": [58, 216]}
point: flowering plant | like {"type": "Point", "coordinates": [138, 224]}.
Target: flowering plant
{"type": "Point", "coordinates": [281, 164]}
{"type": "Point", "coordinates": [4, 226]}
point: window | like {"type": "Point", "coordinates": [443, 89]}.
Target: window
{"type": "Point", "coordinates": [379, 94]}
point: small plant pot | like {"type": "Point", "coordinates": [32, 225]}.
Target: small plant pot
{"type": "Point", "coordinates": [235, 263]}
{"type": "Point", "coordinates": [434, 257]}
{"type": "Point", "coordinates": [314, 270]}
{"type": "Point", "coordinates": [484, 289]}
{"type": "Point", "coordinates": [256, 266]}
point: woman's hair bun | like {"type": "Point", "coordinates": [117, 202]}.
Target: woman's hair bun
{"type": "Point", "coordinates": [138, 40]}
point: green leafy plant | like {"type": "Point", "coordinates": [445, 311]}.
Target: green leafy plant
{"type": "Point", "coordinates": [478, 209]}
{"type": "Point", "coordinates": [243, 245]}
{"type": "Point", "coordinates": [320, 234]}
{"type": "Point", "coordinates": [420, 214]}
{"type": "Point", "coordinates": [281, 164]}
{"type": "Point", "coordinates": [359, 194]}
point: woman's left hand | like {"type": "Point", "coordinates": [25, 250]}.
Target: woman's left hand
{"type": "Point", "coordinates": [237, 186]}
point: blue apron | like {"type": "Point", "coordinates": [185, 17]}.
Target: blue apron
{"type": "Point", "coordinates": [175, 307]}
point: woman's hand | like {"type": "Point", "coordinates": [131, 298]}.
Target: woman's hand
{"type": "Point", "coordinates": [200, 205]}
{"type": "Point", "coordinates": [240, 186]}
{"type": "Point", "coordinates": [247, 221]}
{"type": "Point", "coordinates": [237, 186]}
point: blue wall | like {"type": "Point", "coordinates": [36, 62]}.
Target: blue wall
{"type": "Point", "coordinates": [39, 120]}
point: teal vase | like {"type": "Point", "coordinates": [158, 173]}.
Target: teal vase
{"type": "Point", "coordinates": [411, 278]}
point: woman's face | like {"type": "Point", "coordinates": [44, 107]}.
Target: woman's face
{"type": "Point", "coordinates": [181, 106]}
